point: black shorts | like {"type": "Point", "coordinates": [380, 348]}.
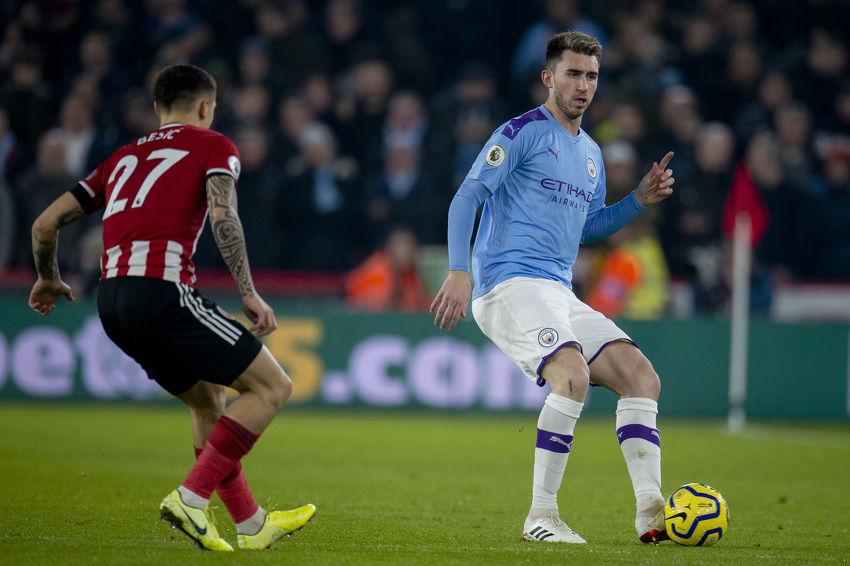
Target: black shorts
{"type": "Point", "coordinates": [176, 334]}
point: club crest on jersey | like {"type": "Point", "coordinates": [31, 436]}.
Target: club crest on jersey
{"type": "Point", "coordinates": [233, 162]}
{"type": "Point", "coordinates": [547, 337]}
{"type": "Point", "coordinates": [495, 156]}
{"type": "Point", "coordinates": [591, 167]}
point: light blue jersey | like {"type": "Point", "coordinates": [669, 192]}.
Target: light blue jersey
{"type": "Point", "coordinates": [545, 194]}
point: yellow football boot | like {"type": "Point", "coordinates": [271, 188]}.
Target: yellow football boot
{"type": "Point", "coordinates": [198, 524]}
{"type": "Point", "coordinates": [276, 525]}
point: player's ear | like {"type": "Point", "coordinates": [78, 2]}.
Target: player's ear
{"type": "Point", "coordinates": [204, 108]}
{"type": "Point", "coordinates": [546, 77]}
{"type": "Point", "coordinates": [155, 109]}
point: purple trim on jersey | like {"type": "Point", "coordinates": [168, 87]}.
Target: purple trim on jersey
{"type": "Point", "coordinates": [553, 441]}
{"type": "Point", "coordinates": [513, 127]}
{"type": "Point", "coordinates": [639, 431]}
{"type": "Point", "coordinates": [605, 345]}
{"type": "Point", "coordinates": [540, 381]}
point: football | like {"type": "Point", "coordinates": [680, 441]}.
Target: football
{"type": "Point", "coordinates": [696, 515]}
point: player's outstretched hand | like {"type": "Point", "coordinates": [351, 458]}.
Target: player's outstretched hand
{"type": "Point", "coordinates": [657, 184]}
{"type": "Point", "coordinates": [45, 292]}
{"type": "Point", "coordinates": [451, 300]}
{"type": "Point", "coordinates": [260, 313]}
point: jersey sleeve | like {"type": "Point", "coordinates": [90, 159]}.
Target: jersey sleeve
{"type": "Point", "coordinates": [94, 186]}
{"type": "Point", "coordinates": [224, 158]}
{"type": "Point", "coordinates": [499, 157]}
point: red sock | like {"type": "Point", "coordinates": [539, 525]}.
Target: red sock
{"type": "Point", "coordinates": [226, 445]}
{"type": "Point", "coordinates": [235, 494]}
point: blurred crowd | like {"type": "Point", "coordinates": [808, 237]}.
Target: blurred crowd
{"type": "Point", "coordinates": [356, 117]}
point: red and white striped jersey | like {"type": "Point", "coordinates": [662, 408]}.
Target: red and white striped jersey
{"type": "Point", "coordinates": [153, 192]}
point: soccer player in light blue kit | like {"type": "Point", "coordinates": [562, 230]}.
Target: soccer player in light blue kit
{"type": "Point", "coordinates": [542, 182]}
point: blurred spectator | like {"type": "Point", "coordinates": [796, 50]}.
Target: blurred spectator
{"type": "Point", "coordinates": [836, 128]}
{"type": "Point", "coordinates": [463, 117]}
{"type": "Point", "coordinates": [95, 59]}
{"type": "Point", "coordinates": [8, 226]}
{"type": "Point", "coordinates": [621, 169]}
{"type": "Point", "coordinates": [294, 116]}
{"type": "Point", "coordinates": [759, 189]}
{"type": "Point", "coordinates": [404, 192]}
{"type": "Point", "coordinates": [174, 32]}
{"type": "Point", "coordinates": [13, 43]}
{"type": "Point", "coordinates": [137, 117]}
{"type": "Point", "coordinates": [351, 32]}
{"type": "Point", "coordinates": [702, 61]}
{"type": "Point", "coordinates": [254, 67]}
{"type": "Point", "coordinates": [85, 146]}
{"type": "Point", "coordinates": [389, 279]}
{"type": "Point", "coordinates": [741, 24]}
{"type": "Point", "coordinates": [36, 188]}
{"type": "Point", "coordinates": [633, 282]}
{"type": "Point", "coordinates": [774, 91]}
{"type": "Point", "coordinates": [470, 30]}
{"type": "Point", "coordinates": [645, 67]}
{"type": "Point", "coordinates": [691, 224]}
{"type": "Point", "coordinates": [407, 122]}
{"type": "Point", "coordinates": [827, 210]}
{"type": "Point", "coordinates": [825, 66]}
{"type": "Point", "coordinates": [294, 49]}
{"type": "Point", "coordinates": [322, 203]}
{"type": "Point", "coordinates": [362, 111]}
{"type": "Point", "coordinates": [28, 100]}
{"type": "Point", "coordinates": [714, 295]}
{"type": "Point", "coordinates": [408, 46]}
{"type": "Point", "coordinates": [680, 124]}
{"type": "Point", "coordinates": [793, 126]}
{"type": "Point", "coordinates": [120, 23]}
{"type": "Point", "coordinates": [625, 122]}
{"type": "Point", "coordinates": [780, 249]}
{"type": "Point", "coordinates": [56, 27]}
{"type": "Point", "coordinates": [559, 15]}
{"type": "Point", "coordinates": [249, 105]}
{"type": "Point", "coordinates": [261, 193]}
{"type": "Point", "coordinates": [743, 72]}
{"type": "Point", "coordinates": [8, 147]}
{"type": "Point", "coordinates": [317, 92]}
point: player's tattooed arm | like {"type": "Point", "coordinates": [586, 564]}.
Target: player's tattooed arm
{"type": "Point", "coordinates": [227, 230]}
{"type": "Point", "coordinates": [45, 234]}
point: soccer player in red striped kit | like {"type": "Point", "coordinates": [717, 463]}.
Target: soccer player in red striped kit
{"type": "Point", "coordinates": [156, 194]}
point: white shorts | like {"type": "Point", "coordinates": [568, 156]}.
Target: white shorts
{"type": "Point", "coordinates": [531, 319]}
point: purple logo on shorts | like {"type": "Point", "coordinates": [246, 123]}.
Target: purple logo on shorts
{"type": "Point", "coordinates": [547, 337]}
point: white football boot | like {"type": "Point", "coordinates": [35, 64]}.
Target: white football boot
{"type": "Point", "coordinates": [545, 525]}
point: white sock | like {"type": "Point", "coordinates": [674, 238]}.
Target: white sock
{"type": "Point", "coordinates": [252, 524]}
{"type": "Point", "coordinates": [554, 437]}
{"type": "Point", "coordinates": [641, 444]}
{"type": "Point", "coordinates": [192, 499]}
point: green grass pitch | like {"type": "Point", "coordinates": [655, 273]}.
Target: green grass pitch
{"type": "Point", "coordinates": [82, 485]}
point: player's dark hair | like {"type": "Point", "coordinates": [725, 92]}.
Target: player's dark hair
{"type": "Point", "coordinates": [179, 86]}
{"type": "Point", "coordinates": [576, 41]}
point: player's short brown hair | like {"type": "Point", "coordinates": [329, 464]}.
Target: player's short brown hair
{"type": "Point", "coordinates": [576, 41]}
{"type": "Point", "coordinates": [179, 86]}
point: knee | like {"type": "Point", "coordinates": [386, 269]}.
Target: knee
{"type": "Point", "coordinates": [282, 389]}
{"type": "Point", "coordinates": [568, 374]}
{"type": "Point", "coordinates": [648, 384]}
